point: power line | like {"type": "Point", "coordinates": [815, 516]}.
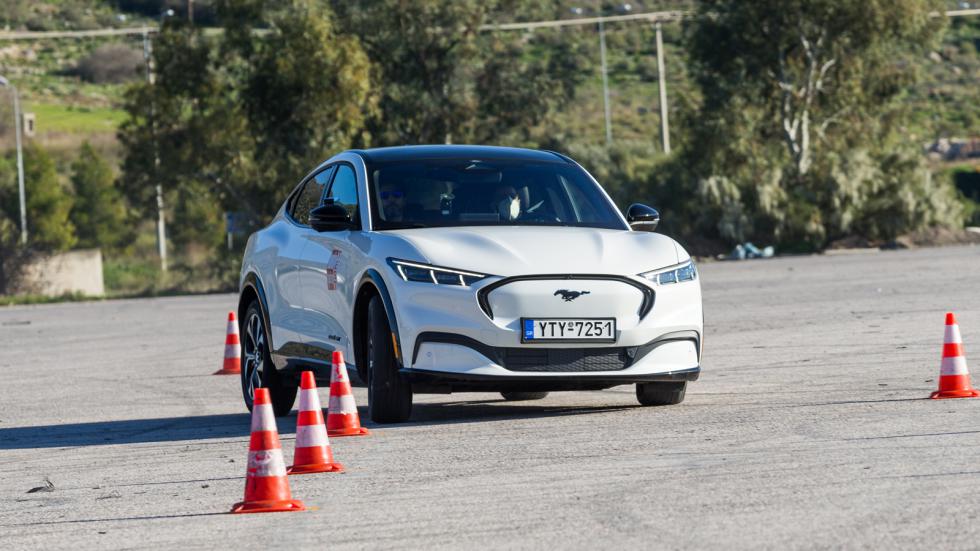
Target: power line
{"type": "Point", "coordinates": [41, 35]}
{"type": "Point", "coordinates": [653, 17]}
{"type": "Point", "coordinates": [96, 33]}
{"type": "Point", "coordinates": [531, 25]}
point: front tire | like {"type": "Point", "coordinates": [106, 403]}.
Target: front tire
{"type": "Point", "coordinates": [523, 396]}
{"type": "Point", "coordinates": [389, 395]}
{"type": "Point", "coordinates": [257, 367]}
{"type": "Point", "coordinates": [660, 394]}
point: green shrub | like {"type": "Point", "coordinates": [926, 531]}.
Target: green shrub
{"type": "Point", "coordinates": [129, 276]}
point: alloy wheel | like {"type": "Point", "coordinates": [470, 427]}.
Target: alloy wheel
{"type": "Point", "coordinates": [253, 355]}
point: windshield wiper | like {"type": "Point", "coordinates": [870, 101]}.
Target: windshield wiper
{"type": "Point", "coordinates": [403, 225]}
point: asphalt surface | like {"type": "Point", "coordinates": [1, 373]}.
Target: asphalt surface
{"type": "Point", "coordinates": [808, 429]}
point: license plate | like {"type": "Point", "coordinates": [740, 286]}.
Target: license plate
{"type": "Point", "coordinates": [568, 329]}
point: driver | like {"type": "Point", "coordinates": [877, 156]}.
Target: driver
{"type": "Point", "coordinates": [392, 201]}
{"type": "Point", "coordinates": [507, 203]}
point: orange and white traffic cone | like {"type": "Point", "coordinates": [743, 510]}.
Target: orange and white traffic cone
{"type": "Point", "coordinates": [233, 349]}
{"type": "Point", "coordinates": [313, 454]}
{"type": "Point", "coordinates": [266, 485]}
{"type": "Point", "coordinates": [342, 417]}
{"type": "Point", "coordinates": [954, 377]}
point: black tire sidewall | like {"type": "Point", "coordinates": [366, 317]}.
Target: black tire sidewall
{"type": "Point", "coordinates": [389, 395]}
{"type": "Point", "coordinates": [281, 392]}
{"type": "Point", "coordinates": [661, 394]}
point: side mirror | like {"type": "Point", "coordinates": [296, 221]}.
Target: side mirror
{"type": "Point", "coordinates": [642, 217]}
{"type": "Point", "coordinates": [330, 217]}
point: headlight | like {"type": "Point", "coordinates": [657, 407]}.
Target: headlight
{"type": "Point", "coordinates": [666, 276]}
{"type": "Point", "coordinates": [424, 273]}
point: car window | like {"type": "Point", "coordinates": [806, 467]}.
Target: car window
{"type": "Point", "coordinates": [323, 178]}
{"type": "Point", "coordinates": [441, 193]}
{"type": "Point", "coordinates": [344, 190]}
{"type": "Point", "coordinates": [309, 197]}
{"type": "Point", "coordinates": [584, 208]}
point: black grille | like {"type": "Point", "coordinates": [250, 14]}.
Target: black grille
{"type": "Point", "coordinates": [565, 359]}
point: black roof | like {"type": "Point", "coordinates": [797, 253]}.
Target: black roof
{"type": "Point", "coordinates": [463, 152]}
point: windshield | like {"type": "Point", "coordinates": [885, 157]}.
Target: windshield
{"type": "Point", "coordinates": [439, 193]}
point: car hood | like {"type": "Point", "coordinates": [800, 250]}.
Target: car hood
{"type": "Point", "coordinates": [523, 250]}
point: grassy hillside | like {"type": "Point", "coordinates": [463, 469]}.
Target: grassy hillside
{"type": "Point", "coordinates": [71, 107]}
{"type": "Point", "coordinates": [80, 120]}
{"type": "Point", "coordinates": [946, 102]}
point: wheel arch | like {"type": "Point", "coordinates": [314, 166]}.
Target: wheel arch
{"type": "Point", "coordinates": [252, 290]}
{"type": "Point", "coordinates": [372, 284]}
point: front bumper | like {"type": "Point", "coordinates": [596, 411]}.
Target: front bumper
{"type": "Point", "coordinates": [467, 335]}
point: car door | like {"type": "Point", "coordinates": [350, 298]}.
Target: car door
{"type": "Point", "coordinates": [329, 264]}
{"type": "Point", "coordinates": [289, 319]}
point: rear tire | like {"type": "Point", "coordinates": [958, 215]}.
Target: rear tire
{"type": "Point", "coordinates": [389, 395]}
{"type": "Point", "coordinates": [660, 394]}
{"type": "Point", "coordinates": [523, 396]}
{"type": "Point", "coordinates": [257, 366]}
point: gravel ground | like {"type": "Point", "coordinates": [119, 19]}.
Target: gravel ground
{"type": "Point", "coordinates": [808, 429]}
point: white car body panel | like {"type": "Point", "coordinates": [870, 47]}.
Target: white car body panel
{"type": "Point", "coordinates": [311, 281]}
{"type": "Point", "coordinates": [520, 250]}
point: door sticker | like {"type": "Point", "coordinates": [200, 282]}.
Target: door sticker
{"type": "Point", "coordinates": [332, 266]}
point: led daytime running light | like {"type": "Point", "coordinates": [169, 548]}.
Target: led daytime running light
{"type": "Point", "coordinates": [684, 272]}
{"type": "Point", "coordinates": [424, 273]}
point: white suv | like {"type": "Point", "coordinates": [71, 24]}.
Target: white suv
{"type": "Point", "coordinates": [465, 268]}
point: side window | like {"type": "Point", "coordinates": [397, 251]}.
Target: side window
{"type": "Point", "coordinates": [309, 197]}
{"type": "Point", "coordinates": [323, 178]}
{"type": "Point", "coordinates": [344, 190]}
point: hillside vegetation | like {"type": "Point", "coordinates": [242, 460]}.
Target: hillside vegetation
{"type": "Point", "coordinates": [730, 178]}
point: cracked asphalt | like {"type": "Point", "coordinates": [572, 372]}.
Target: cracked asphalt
{"type": "Point", "coordinates": [809, 428]}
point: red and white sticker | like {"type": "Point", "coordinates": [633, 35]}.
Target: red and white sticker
{"type": "Point", "coordinates": [335, 258]}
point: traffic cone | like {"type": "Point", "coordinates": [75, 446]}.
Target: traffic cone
{"type": "Point", "coordinates": [233, 349]}
{"type": "Point", "coordinates": [954, 377]}
{"type": "Point", "coordinates": [266, 485]}
{"type": "Point", "coordinates": [313, 454]}
{"type": "Point", "coordinates": [342, 417]}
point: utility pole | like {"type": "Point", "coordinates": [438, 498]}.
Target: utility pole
{"type": "Point", "coordinates": [662, 85]}
{"type": "Point", "coordinates": [161, 221]}
{"type": "Point", "coordinates": [190, 11]}
{"type": "Point", "coordinates": [20, 168]}
{"type": "Point", "coordinates": [605, 83]}
{"type": "Point", "coordinates": [18, 121]}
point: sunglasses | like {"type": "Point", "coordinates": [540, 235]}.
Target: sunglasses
{"type": "Point", "coordinates": [392, 194]}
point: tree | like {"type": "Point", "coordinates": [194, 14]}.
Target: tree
{"type": "Point", "coordinates": [236, 121]}
{"type": "Point", "coordinates": [15, 12]}
{"type": "Point", "coordinates": [48, 206]}
{"type": "Point", "coordinates": [798, 120]}
{"type": "Point", "coordinates": [443, 80]}
{"type": "Point", "coordinates": [99, 213]}
{"type": "Point", "coordinates": [814, 63]}
{"type": "Point", "coordinates": [13, 256]}
{"type": "Point", "coordinates": [305, 92]}
{"type": "Point", "coordinates": [48, 203]}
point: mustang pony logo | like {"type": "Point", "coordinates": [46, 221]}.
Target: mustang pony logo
{"type": "Point", "coordinates": [569, 296]}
